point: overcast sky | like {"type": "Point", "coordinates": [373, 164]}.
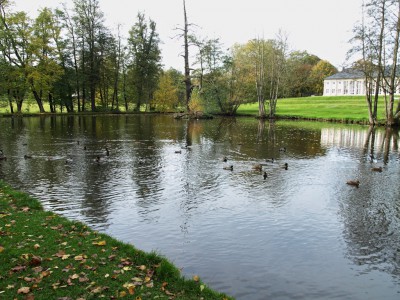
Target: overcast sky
{"type": "Point", "coordinates": [321, 27]}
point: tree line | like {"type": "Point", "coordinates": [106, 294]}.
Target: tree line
{"type": "Point", "coordinates": [66, 59]}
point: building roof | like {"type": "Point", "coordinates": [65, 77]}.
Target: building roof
{"type": "Point", "coordinates": [346, 74]}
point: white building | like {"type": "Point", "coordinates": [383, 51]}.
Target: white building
{"type": "Point", "coordinates": [348, 82]}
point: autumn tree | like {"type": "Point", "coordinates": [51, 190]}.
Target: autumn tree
{"type": "Point", "coordinates": [166, 97]}
{"type": "Point", "coordinates": [318, 73]}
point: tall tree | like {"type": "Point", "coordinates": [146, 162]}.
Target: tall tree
{"type": "Point", "coordinates": [43, 70]}
{"type": "Point", "coordinates": [143, 43]}
{"type": "Point", "coordinates": [377, 40]}
{"type": "Point", "coordinates": [89, 21]}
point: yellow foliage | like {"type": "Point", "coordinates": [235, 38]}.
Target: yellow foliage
{"type": "Point", "coordinates": [166, 95]}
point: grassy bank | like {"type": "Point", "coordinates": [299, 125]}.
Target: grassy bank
{"type": "Point", "coordinates": [46, 256]}
{"type": "Point", "coordinates": [324, 108]}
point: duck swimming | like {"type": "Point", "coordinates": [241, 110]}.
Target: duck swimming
{"type": "Point", "coordinates": [229, 168]}
{"type": "Point", "coordinates": [257, 167]}
{"type": "Point", "coordinates": [265, 175]}
{"type": "Point", "coordinates": [376, 169]}
{"type": "Point", "coordinates": [286, 166]}
{"type": "Point", "coordinates": [353, 183]}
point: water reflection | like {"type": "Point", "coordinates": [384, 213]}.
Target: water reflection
{"type": "Point", "coordinates": [300, 233]}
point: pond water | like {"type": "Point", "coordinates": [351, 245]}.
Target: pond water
{"type": "Point", "coordinates": [301, 233]}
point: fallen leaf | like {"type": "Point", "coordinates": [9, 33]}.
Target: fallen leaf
{"type": "Point", "coordinates": [60, 253]}
{"type": "Point", "coordinates": [131, 290]}
{"type": "Point", "coordinates": [66, 256]}
{"type": "Point", "coordinates": [18, 268]}
{"type": "Point", "coordinates": [196, 278]}
{"type": "Point", "coordinates": [101, 243]}
{"type": "Point", "coordinates": [35, 261]}
{"type": "Point", "coordinates": [75, 276]}
{"type": "Point", "coordinates": [24, 290]}
{"type": "Point", "coordinates": [83, 279]}
{"type": "Point", "coordinates": [122, 294]}
{"type": "Point", "coordinates": [36, 246]}
{"type": "Point", "coordinates": [1, 249]}
{"type": "Point", "coordinates": [30, 297]}
{"type": "Point", "coordinates": [202, 287]}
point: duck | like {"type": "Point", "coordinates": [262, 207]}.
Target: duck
{"type": "Point", "coordinates": [285, 166]}
{"type": "Point", "coordinates": [355, 183]}
{"type": "Point", "coordinates": [376, 169]}
{"type": "Point", "coordinates": [178, 151]}
{"type": "Point", "coordinates": [229, 168]}
{"type": "Point", "coordinates": [224, 159]}
{"type": "Point", "coordinates": [27, 156]}
{"type": "Point", "coordinates": [107, 152]}
{"type": "Point", "coordinates": [97, 159]}
{"type": "Point", "coordinates": [265, 175]}
{"type": "Point", "coordinates": [257, 167]}
{"type": "Point", "coordinates": [282, 149]}
{"type": "Point", "coordinates": [272, 160]}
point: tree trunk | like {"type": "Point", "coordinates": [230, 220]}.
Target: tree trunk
{"type": "Point", "coordinates": [188, 81]}
{"type": "Point", "coordinates": [38, 101]}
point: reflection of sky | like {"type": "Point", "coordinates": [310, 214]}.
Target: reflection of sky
{"type": "Point", "coordinates": [301, 233]}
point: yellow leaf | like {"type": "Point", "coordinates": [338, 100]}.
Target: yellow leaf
{"type": "Point", "coordinates": [196, 278]}
{"type": "Point", "coordinates": [122, 294]}
{"type": "Point", "coordinates": [101, 243]}
{"type": "Point", "coordinates": [75, 276]}
{"type": "Point", "coordinates": [107, 275]}
{"type": "Point", "coordinates": [202, 287]}
{"type": "Point", "coordinates": [138, 298]}
{"type": "Point", "coordinates": [142, 267]}
{"type": "Point", "coordinates": [36, 246]}
{"type": "Point", "coordinates": [127, 268]}
{"type": "Point", "coordinates": [147, 279]}
{"type": "Point", "coordinates": [65, 256]}
{"type": "Point", "coordinates": [1, 249]}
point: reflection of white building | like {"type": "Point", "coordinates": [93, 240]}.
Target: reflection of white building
{"type": "Point", "coordinates": [347, 82]}
{"type": "Point", "coordinates": [354, 138]}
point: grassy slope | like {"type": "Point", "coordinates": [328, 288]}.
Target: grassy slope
{"type": "Point", "coordinates": [46, 256]}
{"type": "Point", "coordinates": [335, 108]}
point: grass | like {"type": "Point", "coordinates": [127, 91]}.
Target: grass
{"type": "Point", "coordinates": [324, 108]}
{"type": "Point", "coordinates": [46, 256]}
{"type": "Point", "coordinates": [338, 108]}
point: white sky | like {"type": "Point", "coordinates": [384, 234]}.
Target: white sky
{"type": "Point", "coordinates": [320, 27]}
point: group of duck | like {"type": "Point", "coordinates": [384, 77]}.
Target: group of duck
{"type": "Point", "coordinates": [356, 183]}
{"type": "Point", "coordinates": [26, 156]}
{"type": "Point", "coordinates": [259, 167]}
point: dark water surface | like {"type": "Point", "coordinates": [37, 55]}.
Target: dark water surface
{"type": "Point", "coordinates": [300, 234]}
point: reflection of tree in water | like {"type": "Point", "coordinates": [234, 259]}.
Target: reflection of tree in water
{"type": "Point", "coordinates": [372, 220]}
{"type": "Point", "coordinates": [372, 233]}
{"type": "Point", "coordinates": [380, 144]}
{"type": "Point", "coordinates": [146, 164]}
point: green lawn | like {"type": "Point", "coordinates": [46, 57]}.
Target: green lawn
{"type": "Point", "coordinates": [46, 256]}
{"type": "Point", "coordinates": [327, 108]}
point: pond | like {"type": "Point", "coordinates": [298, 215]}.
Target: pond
{"type": "Point", "coordinates": [300, 233]}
